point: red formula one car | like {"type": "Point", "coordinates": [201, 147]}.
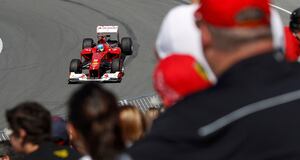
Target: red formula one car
{"type": "Point", "coordinates": [101, 61]}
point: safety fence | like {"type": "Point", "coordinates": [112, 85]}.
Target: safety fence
{"type": "Point", "coordinates": [3, 136]}
{"type": "Point", "coordinates": [143, 102]}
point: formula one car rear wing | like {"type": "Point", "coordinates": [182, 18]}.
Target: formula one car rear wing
{"type": "Point", "coordinates": [107, 29]}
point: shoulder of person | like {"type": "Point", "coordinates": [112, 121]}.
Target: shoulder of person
{"type": "Point", "coordinates": [173, 122]}
{"type": "Point", "coordinates": [85, 157]}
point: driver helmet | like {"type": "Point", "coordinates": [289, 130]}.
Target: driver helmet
{"type": "Point", "coordinates": [295, 21]}
{"type": "Point", "coordinates": [100, 47]}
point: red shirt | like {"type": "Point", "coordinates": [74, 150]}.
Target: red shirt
{"type": "Point", "coordinates": [292, 49]}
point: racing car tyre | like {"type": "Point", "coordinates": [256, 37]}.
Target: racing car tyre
{"type": "Point", "coordinates": [126, 45]}
{"type": "Point", "coordinates": [87, 43]}
{"type": "Point", "coordinates": [115, 65]}
{"type": "Point", "coordinates": [76, 66]}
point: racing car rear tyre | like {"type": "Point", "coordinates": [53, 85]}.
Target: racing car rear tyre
{"type": "Point", "coordinates": [87, 43]}
{"type": "Point", "coordinates": [116, 65]}
{"type": "Point", "coordinates": [126, 45]}
{"type": "Point", "coordinates": [76, 66]}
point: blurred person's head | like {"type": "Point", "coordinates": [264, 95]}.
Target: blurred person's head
{"type": "Point", "coordinates": [133, 124]}
{"type": "Point", "coordinates": [7, 152]}
{"type": "Point", "coordinates": [93, 113]}
{"type": "Point", "coordinates": [30, 124]}
{"type": "Point", "coordinates": [242, 31]}
{"type": "Point", "coordinates": [59, 131]}
{"type": "Point", "coordinates": [177, 76]}
{"type": "Point", "coordinates": [182, 38]}
{"type": "Point", "coordinates": [152, 113]}
{"type": "Point", "coordinates": [295, 23]}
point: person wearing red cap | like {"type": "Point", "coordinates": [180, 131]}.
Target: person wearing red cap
{"type": "Point", "coordinates": [179, 34]}
{"type": "Point", "coordinates": [253, 110]}
{"type": "Point", "coordinates": [173, 73]}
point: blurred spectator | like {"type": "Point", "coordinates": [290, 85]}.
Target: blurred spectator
{"type": "Point", "coordinates": [238, 118]}
{"type": "Point", "coordinates": [292, 37]}
{"type": "Point", "coordinates": [177, 76]}
{"type": "Point", "coordinates": [151, 114]}
{"type": "Point", "coordinates": [133, 124]}
{"type": "Point", "coordinates": [30, 125]}
{"type": "Point", "coordinates": [7, 153]}
{"type": "Point", "coordinates": [179, 34]}
{"type": "Point", "coordinates": [59, 131]}
{"type": "Point", "coordinates": [93, 113]}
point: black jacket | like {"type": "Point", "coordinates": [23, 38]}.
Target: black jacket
{"type": "Point", "coordinates": [253, 113]}
{"type": "Point", "coordinates": [51, 151]}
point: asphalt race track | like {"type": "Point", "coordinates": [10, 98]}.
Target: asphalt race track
{"type": "Point", "coordinates": [40, 37]}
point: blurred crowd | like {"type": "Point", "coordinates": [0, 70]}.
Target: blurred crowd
{"type": "Point", "coordinates": [96, 127]}
{"type": "Point", "coordinates": [227, 76]}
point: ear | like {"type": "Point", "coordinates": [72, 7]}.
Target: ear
{"type": "Point", "coordinates": [22, 133]}
{"type": "Point", "coordinates": [71, 131]}
{"type": "Point", "coordinates": [205, 36]}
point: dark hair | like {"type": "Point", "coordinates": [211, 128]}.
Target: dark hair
{"type": "Point", "coordinates": [33, 118]}
{"type": "Point", "coordinates": [94, 113]}
{"type": "Point", "coordinates": [294, 20]}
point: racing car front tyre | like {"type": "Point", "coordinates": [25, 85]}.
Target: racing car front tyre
{"type": "Point", "coordinates": [115, 65]}
{"type": "Point", "coordinates": [126, 46]}
{"type": "Point", "coordinates": [76, 66]}
{"type": "Point", "coordinates": [87, 43]}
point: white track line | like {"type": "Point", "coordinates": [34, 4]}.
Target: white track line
{"type": "Point", "coordinates": [1, 45]}
{"type": "Point", "coordinates": [282, 9]}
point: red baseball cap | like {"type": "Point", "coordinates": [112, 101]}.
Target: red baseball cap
{"type": "Point", "coordinates": [228, 13]}
{"type": "Point", "coordinates": [178, 75]}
